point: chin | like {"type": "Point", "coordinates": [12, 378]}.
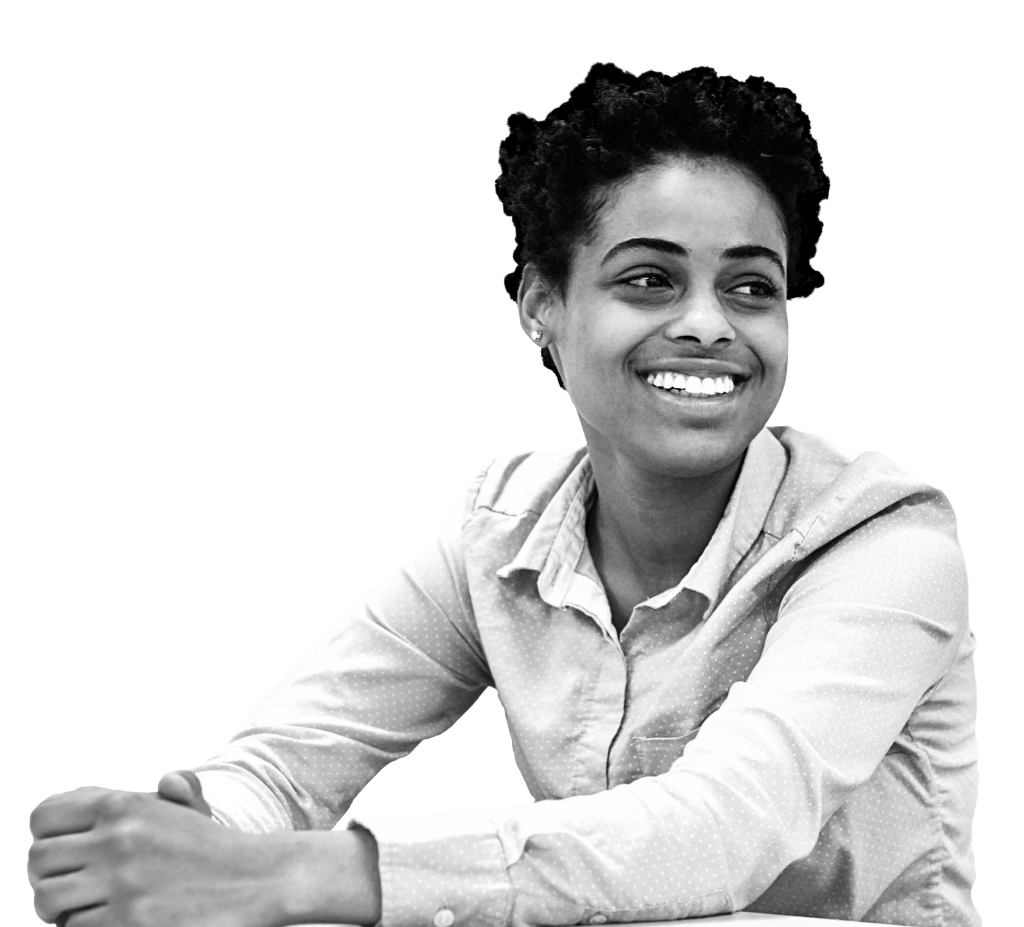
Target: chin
{"type": "Point", "coordinates": [696, 456]}
{"type": "Point", "coordinates": [692, 465]}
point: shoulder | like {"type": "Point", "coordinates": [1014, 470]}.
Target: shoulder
{"type": "Point", "coordinates": [518, 506]}
{"type": "Point", "coordinates": [827, 492]}
{"type": "Point", "coordinates": [868, 531]}
{"type": "Point", "coordinates": [522, 484]}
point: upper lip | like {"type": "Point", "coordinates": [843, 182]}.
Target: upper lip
{"type": "Point", "coordinates": [694, 367]}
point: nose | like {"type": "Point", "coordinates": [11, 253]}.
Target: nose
{"type": "Point", "coordinates": [700, 317]}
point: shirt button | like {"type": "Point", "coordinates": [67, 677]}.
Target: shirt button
{"type": "Point", "coordinates": [598, 919]}
{"type": "Point", "coordinates": [444, 918]}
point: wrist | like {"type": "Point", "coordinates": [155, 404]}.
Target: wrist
{"type": "Point", "coordinates": [327, 877]}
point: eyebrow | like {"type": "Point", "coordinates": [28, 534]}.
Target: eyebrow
{"type": "Point", "coordinates": [670, 247]}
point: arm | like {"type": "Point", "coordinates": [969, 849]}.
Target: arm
{"type": "Point", "coordinates": [313, 888]}
{"type": "Point", "coordinates": [333, 878]}
{"type": "Point", "coordinates": [863, 633]}
{"type": "Point", "coordinates": [403, 669]}
{"type": "Point", "coordinates": [102, 857]}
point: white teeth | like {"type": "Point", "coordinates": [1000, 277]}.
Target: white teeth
{"type": "Point", "coordinates": [706, 386]}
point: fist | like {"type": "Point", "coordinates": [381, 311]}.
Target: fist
{"type": "Point", "coordinates": [103, 858]}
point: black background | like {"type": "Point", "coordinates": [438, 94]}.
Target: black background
{"type": "Point", "coordinates": [263, 367]}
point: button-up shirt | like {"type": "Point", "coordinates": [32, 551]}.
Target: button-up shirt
{"type": "Point", "coordinates": [790, 729]}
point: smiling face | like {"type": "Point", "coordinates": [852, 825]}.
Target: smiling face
{"type": "Point", "coordinates": [671, 337]}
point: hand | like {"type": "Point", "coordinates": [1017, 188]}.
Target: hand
{"type": "Point", "coordinates": [125, 859]}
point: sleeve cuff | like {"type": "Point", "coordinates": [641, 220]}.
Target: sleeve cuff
{"type": "Point", "coordinates": [449, 873]}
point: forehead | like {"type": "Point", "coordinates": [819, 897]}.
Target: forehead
{"type": "Point", "coordinates": [698, 204]}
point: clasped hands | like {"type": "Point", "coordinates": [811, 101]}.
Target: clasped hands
{"type": "Point", "coordinates": [105, 857]}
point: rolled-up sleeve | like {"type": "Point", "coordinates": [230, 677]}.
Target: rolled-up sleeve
{"type": "Point", "coordinates": [865, 628]}
{"type": "Point", "coordinates": [402, 670]}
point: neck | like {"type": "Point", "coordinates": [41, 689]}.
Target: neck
{"type": "Point", "coordinates": [646, 530]}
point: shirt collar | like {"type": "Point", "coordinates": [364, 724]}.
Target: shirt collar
{"type": "Point", "coordinates": [764, 467]}
{"type": "Point", "coordinates": [554, 546]}
{"type": "Point", "coordinates": [557, 541]}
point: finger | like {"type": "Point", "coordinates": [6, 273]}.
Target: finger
{"type": "Point", "coordinates": [84, 917]}
{"type": "Point", "coordinates": [67, 813]}
{"type": "Point", "coordinates": [184, 788]}
{"type": "Point", "coordinates": [181, 782]}
{"type": "Point", "coordinates": [98, 916]}
{"type": "Point", "coordinates": [177, 786]}
{"type": "Point", "coordinates": [198, 802]}
{"type": "Point", "coordinates": [58, 855]}
{"type": "Point", "coordinates": [65, 894]}
{"type": "Point", "coordinates": [193, 780]}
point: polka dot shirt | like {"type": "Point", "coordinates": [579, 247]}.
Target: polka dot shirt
{"type": "Point", "coordinates": [790, 729]}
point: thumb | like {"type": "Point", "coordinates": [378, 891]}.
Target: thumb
{"type": "Point", "coordinates": [179, 786]}
{"type": "Point", "coordinates": [183, 788]}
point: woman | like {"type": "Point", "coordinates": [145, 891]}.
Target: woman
{"type": "Point", "coordinates": [735, 664]}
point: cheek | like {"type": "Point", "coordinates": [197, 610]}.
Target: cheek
{"type": "Point", "coordinates": [587, 344]}
{"type": "Point", "coordinates": [782, 353]}
{"type": "Point", "coordinates": [780, 356]}
{"type": "Point", "coordinates": [771, 343]}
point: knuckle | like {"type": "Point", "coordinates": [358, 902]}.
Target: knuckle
{"type": "Point", "coordinates": [110, 804]}
{"type": "Point", "coordinates": [36, 857]}
{"type": "Point", "coordinates": [139, 912]}
{"type": "Point", "coordinates": [113, 805]}
{"type": "Point", "coordinates": [126, 837]}
{"type": "Point", "coordinates": [47, 813]}
{"type": "Point", "coordinates": [44, 908]}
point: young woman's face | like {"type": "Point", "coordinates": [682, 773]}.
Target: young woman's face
{"type": "Point", "coordinates": [672, 336]}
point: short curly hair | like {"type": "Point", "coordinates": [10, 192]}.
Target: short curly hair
{"type": "Point", "coordinates": [615, 123]}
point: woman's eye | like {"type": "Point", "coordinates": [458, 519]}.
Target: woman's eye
{"type": "Point", "coordinates": [760, 289]}
{"type": "Point", "coordinates": [648, 281]}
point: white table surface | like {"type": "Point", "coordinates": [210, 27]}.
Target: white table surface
{"type": "Point", "coordinates": [739, 919]}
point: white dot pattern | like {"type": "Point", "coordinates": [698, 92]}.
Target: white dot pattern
{"type": "Point", "coordinates": [789, 730]}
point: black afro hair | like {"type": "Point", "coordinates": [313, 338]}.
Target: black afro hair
{"type": "Point", "coordinates": [614, 124]}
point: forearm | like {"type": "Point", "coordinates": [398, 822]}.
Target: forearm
{"type": "Point", "coordinates": [329, 877]}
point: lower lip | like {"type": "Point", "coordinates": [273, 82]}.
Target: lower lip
{"type": "Point", "coordinates": [695, 401]}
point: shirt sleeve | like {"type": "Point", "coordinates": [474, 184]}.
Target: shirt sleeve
{"type": "Point", "coordinates": [868, 626]}
{"type": "Point", "coordinates": [402, 670]}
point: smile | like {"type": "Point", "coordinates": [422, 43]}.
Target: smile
{"type": "Point", "coordinates": [702, 398]}
{"type": "Point", "coordinates": [694, 386]}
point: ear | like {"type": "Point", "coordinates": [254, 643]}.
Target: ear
{"type": "Point", "coordinates": [539, 303]}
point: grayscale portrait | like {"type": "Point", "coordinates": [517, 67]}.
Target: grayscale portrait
{"type": "Point", "coordinates": [523, 466]}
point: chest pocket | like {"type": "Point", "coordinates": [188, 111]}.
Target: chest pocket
{"type": "Point", "coordinates": [654, 755]}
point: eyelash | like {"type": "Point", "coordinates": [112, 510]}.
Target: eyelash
{"type": "Point", "coordinates": [768, 290]}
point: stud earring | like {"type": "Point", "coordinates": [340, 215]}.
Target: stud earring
{"type": "Point", "coordinates": [536, 336]}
